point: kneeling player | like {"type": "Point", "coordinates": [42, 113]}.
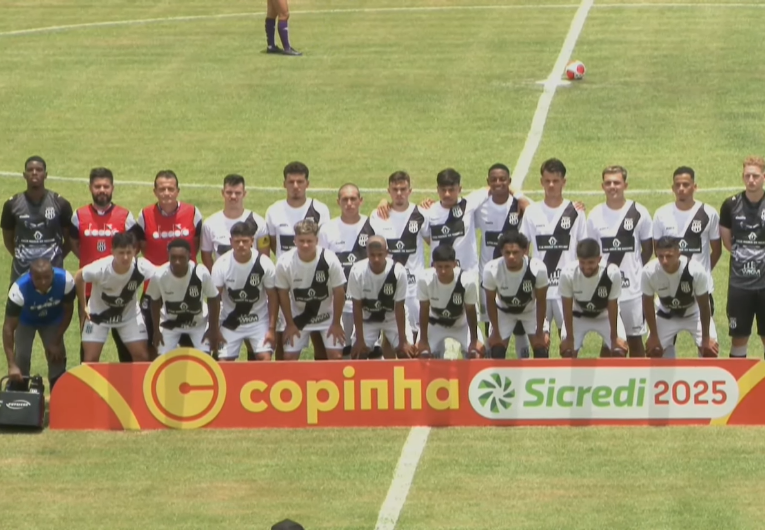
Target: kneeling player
{"type": "Point", "coordinates": [448, 307]}
{"type": "Point", "coordinates": [177, 292]}
{"type": "Point", "coordinates": [250, 305]}
{"type": "Point", "coordinates": [682, 286]}
{"type": "Point", "coordinates": [590, 291]}
{"type": "Point", "coordinates": [310, 282]}
{"type": "Point", "coordinates": [516, 291]}
{"type": "Point", "coordinates": [113, 303]}
{"type": "Point", "coordinates": [377, 286]}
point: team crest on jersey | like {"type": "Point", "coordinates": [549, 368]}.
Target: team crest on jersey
{"type": "Point", "coordinates": [732, 323]}
{"type": "Point", "coordinates": [685, 287]}
{"type": "Point", "coordinates": [457, 299]}
{"type": "Point", "coordinates": [414, 227]}
{"type": "Point", "coordinates": [565, 222]}
{"type": "Point", "coordinates": [696, 226]}
{"type": "Point", "coordinates": [254, 280]}
{"type": "Point", "coordinates": [602, 292]}
{"type": "Point", "coordinates": [101, 245]}
{"type": "Point", "coordinates": [526, 286]}
{"type": "Point", "coordinates": [321, 277]}
{"type": "Point", "coordinates": [515, 301]}
{"type": "Point", "coordinates": [629, 224]}
{"type": "Point", "coordinates": [762, 215]}
{"type": "Point", "coordinates": [457, 211]}
{"type": "Point", "coordinates": [50, 213]}
{"type": "Point", "coordinates": [512, 218]}
{"type": "Point", "coordinates": [193, 292]}
{"type": "Point", "coordinates": [388, 289]}
{"type": "Point", "coordinates": [363, 239]}
{"type": "Point", "coordinates": [132, 286]}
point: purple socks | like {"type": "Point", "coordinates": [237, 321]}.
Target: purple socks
{"type": "Point", "coordinates": [271, 32]}
{"type": "Point", "coordinates": [284, 34]}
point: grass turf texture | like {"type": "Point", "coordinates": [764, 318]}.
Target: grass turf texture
{"type": "Point", "coordinates": [379, 91]}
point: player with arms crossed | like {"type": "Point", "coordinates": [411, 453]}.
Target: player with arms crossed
{"type": "Point", "coordinates": [41, 301]}
{"type": "Point", "coordinates": [246, 282]}
{"type": "Point", "coordinates": [742, 230]}
{"type": "Point", "coordinates": [623, 228]}
{"type": "Point", "coordinates": [311, 286]}
{"type": "Point", "coordinates": [113, 303]}
{"type": "Point", "coordinates": [178, 291]}
{"type": "Point", "coordinates": [697, 226]}
{"type": "Point", "coordinates": [589, 290]}
{"type": "Point", "coordinates": [378, 286]}
{"type": "Point", "coordinates": [516, 292]}
{"type": "Point", "coordinates": [347, 237]}
{"type": "Point", "coordinates": [553, 228]}
{"type": "Point", "coordinates": [681, 285]}
{"type": "Point", "coordinates": [448, 307]}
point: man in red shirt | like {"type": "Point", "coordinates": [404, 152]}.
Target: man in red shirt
{"type": "Point", "coordinates": [161, 223]}
{"type": "Point", "coordinates": [92, 229]}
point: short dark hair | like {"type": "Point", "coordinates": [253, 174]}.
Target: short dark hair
{"type": "Point", "coordinates": [179, 243]}
{"type": "Point", "coordinates": [685, 170]}
{"type": "Point", "coordinates": [553, 165]}
{"type": "Point", "coordinates": [513, 238]}
{"type": "Point", "coordinates": [666, 243]}
{"type": "Point", "coordinates": [233, 180]}
{"type": "Point", "coordinates": [443, 253]}
{"type": "Point", "coordinates": [399, 176]}
{"type": "Point", "coordinates": [35, 158]}
{"type": "Point", "coordinates": [167, 174]}
{"type": "Point", "coordinates": [101, 173]}
{"type": "Point", "coordinates": [306, 226]}
{"type": "Point", "coordinates": [612, 170]}
{"type": "Point", "coordinates": [296, 168]}
{"type": "Point", "coordinates": [377, 243]}
{"type": "Point", "coordinates": [41, 264]}
{"type": "Point", "coordinates": [348, 185]}
{"type": "Point", "coordinates": [503, 167]}
{"type": "Point", "coordinates": [448, 177]}
{"type": "Point", "coordinates": [588, 248]}
{"type": "Point", "coordinates": [242, 229]}
{"type": "Point", "coordinates": [123, 240]}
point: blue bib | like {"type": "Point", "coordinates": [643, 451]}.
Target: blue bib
{"type": "Point", "coordinates": [42, 309]}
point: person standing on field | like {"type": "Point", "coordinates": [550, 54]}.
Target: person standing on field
{"type": "Point", "coordinates": [279, 9]}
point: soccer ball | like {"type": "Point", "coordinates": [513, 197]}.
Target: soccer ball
{"type": "Point", "coordinates": [575, 70]}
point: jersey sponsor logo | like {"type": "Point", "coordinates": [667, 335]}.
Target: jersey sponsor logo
{"type": "Point", "coordinates": [526, 286]}
{"type": "Point", "coordinates": [242, 295]}
{"type": "Point", "coordinates": [457, 211]}
{"type": "Point", "coordinates": [515, 301]}
{"type": "Point", "coordinates": [50, 213]}
{"type": "Point", "coordinates": [625, 280]}
{"type": "Point", "coordinates": [602, 293]}
{"type": "Point", "coordinates": [184, 306]}
{"type": "Point", "coordinates": [38, 236]}
{"type": "Point", "coordinates": [311, 293]}
{"type": "Point", "coordinates": [119, 302]}
{"type": "Point", "coordinates": [387, 289]}
{"type": "Point", "coordinates": [565, 222]}
{"type": "Point", "coordinates": [247, 319]}
{"type": "Point", "coordinates": [445, 230]}
{"type": "Point", "coordinates": [352, 258]}
{"type": "Point", "coordinates": [675, 302]}
{"type": "Point", "coordinates": [685, 287]}
{"type": "Point", "coordinates": [591, 306]}
{"type": "Point", "coordinates": [545, 243]}
{"type": "Point", "coordinates": [400, 245]}
{"type": "Point", "coordinates": [554, 277]}
{"type": "Point", "coordinates": [411, 279]}
{"type": "Point", "coordinates": [254, 280]}
{"type": "Point", "coordinates": [616, 243]}
{"type": "Point", "coordinates": [101, 245]}
{"type": "Point", "coordinates": [446, 313]}
{"type": "Point", "coordinates": [457, 299]}
{"type": "Point", "coordinates": [319, 318]}
{"type": "Point", "coordinates": [696, 226]}
{"type": "Point", "coordinates": [414, 227]}
{"type": "Point", "coordinates": [321, 277]}
{"type": "Point", "coordinates": [193, 291]}
{"type": "Point", "coordinates": [628, 224]}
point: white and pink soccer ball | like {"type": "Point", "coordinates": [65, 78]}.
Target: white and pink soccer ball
{"type": "Point", "coordinates": [575, 70]}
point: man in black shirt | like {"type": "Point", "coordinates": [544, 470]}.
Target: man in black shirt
{"type": "Point", "coordinates": [742, 230]}
{"type": "Point", "coordinates": [36, 223]}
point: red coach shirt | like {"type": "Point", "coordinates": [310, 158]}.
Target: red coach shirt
{"type": "Point", "coordinates": [158, 229]}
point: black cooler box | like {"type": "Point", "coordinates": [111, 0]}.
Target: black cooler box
{"type": "Point", "coordinates": [23, 408]}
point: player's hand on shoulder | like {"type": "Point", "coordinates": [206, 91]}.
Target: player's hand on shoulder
{"type": "Point", "coordinates": [425, 204]}
{"type": "Point", "coordinates": [383, 209]}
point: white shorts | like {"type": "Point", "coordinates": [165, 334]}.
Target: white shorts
{"type": "Point", "coordinates": [437, 336]}
{"type": "Point", "coordinates": [631, 315]}
{"type": "Point", "coordinates": [413, 311]}
{"type": "Point", "coordinates": [254, 333]}
{"type": "Point", "coordinates": [669, 328]}
{"type": "Point", "coordinates": [507, 322]}
{"type": "Point", "coordinates": [171, 337]}
{"type": "Point", "coordinates": [554, 313]}
{"type": "Point", "coordinates": [301, 343]}
{"type": "Point", "coordinates": [599, 325]}
{"type": "Point", "coordinates": [483, 315]}
{"type": "Point", "coordinates": [372, 331]}
{"type": "Point", "coordinates": [348, 327]}
{"type": "Point", "coordinates": [130, 330]}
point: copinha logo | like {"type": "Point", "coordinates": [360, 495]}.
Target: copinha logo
{"type": "Point", "coordinates": [184, 389]}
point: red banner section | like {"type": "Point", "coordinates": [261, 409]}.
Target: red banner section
{"type": "Point", "coordinates": [186, 389]}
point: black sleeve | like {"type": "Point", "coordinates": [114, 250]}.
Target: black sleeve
{"type": "Point", "coordinates": [70, 296]}
{"type": "Point", "coordinates": [12, 309]}
{"type": "Point", "coordinates": [136, 229]}
{"type": "Point", "coordinates": [8, 220]}
{"type": "Point", "coordinates": [726, 220]}
{"type": "Point", "coordinates": [74, 232]}
{"type": "Point", "coordinates": [65, 208]}
{"type": "Point", "coordinates": [198, 229]}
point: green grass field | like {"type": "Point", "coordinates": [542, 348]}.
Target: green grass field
{"type": "Point", "coordinates": [384, 85]}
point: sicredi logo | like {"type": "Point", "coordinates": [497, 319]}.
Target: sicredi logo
{"type": "Point", "coordinates": [539, 393]}
{"type": "Point", "coordinates": [18, 404]}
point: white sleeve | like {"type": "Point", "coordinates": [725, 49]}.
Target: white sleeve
{"type": "Point", "coordinates": [714, 224]}
{"type": "Point", "coordinates": [208, 286]}
{"type": "Point", "coordinates": [68, 283]}
{"type": "Point", "coordinates": [141, 221]}
{"type": "Point", "coordinates": [402, 283]}
{"type": "Point", "coordinates": [658, 227]}
{"type": "Point", "coordinates": [471, 289]}
{"type": "Point", "coordinates": [206, 244]}
{"type": "Point", "coordinates": [76, 220]}
{"type": "Point", "coordinates": [425, 229]}
{"type": "Point", "coordinates": [422, 287]}
{"type": "Point", "coordinates": [542, 278]}
{"type": "Point", "coordinates": [581, 229]}
{"type": "Point", "coordinates": [354, 283]}
{"type": "Point", "coordinates": [129, 221]}
{"type": "Point", "coordinates": [590, 229]}
{"type": "Point", "coordinates": [527, 229]}
{"type": "Point", "coordinates": [324, 215]}
{"type": "Point", "coordinates": [323, 238]}
{"type": "Point", "coordinates": [488, 281]}
{"type": "Point", "coordinates": [217, 275]}
{"type": "Point", "coordinates": [616, 282]}
{"type": "Point", "coordinates": [282, 277]}
{"type": "Point", "coordinates": [15, 296]}
{"type": "Point", "coordinates": [269, 272]}
{"type": "Point", "coordinates": [645, 280]}
{"type": "Point", "coordinates": [700, 281]}
{"type": "Point", "coordinates": [336, 273]}
{"type": "Point", "coordinates": [476, 199]}
{"type": "Point", "coordinates": [645, 227]}
{"type": "Point", "coordinates": [198, 218]}
{"type": "Point", "coordinates": [148, 269]}
{"type": "Point", "coordinates": [153, 291]}
{"type": "Point", "coordinates": [565, 284]}
{"type": "Point", "coordinates": [92, 273]}
{"type": "Point", "coordinates": [270, 225]}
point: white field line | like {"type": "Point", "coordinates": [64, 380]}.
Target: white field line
{"type": "Point", "coordinates": [149, 184]}
{"type": "Point", "coordinates": [534, 138]}
{"type": "Point", "coordinates": [194, 18]}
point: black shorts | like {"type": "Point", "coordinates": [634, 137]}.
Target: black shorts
{"type": "Point", "coordinates": [743, 306]}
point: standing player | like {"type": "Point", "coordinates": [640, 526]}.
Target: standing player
{"type": "Point", "coordinates": [681, 285]}
{"type": "Point", "coordinates": [347, 237]}
{"type": "Point", "coordinates": [114, 303]}
{"type": "Point", "coordinates": [742, 230]}
{"type": "Point", "coordinates": [178, 291]}
{"type": "Point", "coordinates": [378, 286]}
{"type": "Point", "coordinates": [516, 292]}
{"type": "Point", "coordinates": [245, 280]}
{"type": "Point", "coordinates": [623, 229]}
{"type": "Point", "coordinates": [448, 299]}
{"type": "Point", "coordinates": [589, 292]}
{"type": "Point", "coordinates": [159, 224]}
{"type": "Point", "coordinates": [280, 9]}
{"type": "Point", "coordinates": [281, 218]}
{"type": "Point", "coordinates": [501, 214]}
{"type": "Point", "coordinates": [36, 223]}
{"type": "Point", "coordinates": [92, 229]}
{"type": "Point", "coordinates": [310, 282]}
{"type": "Point", "coordinates": [402, 229]}
{"type": "Point", "coordinates": [553, 228]}
{"type": "Point", "coordinates": [41, 301]}
{"type": "Point", "coordinates": [697, 225]}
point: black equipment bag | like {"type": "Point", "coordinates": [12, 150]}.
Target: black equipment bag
{"type": "Point", "coordinates": [23, 408]}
